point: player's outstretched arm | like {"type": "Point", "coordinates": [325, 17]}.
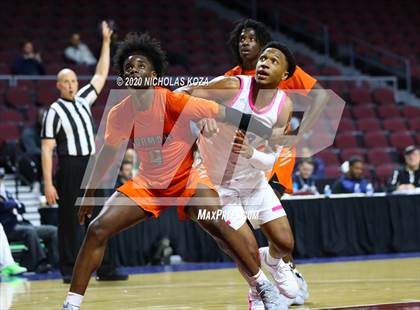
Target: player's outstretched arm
{"type": "Point", "coordinates": [102, 68]}
{"type": "Point", "coordinates": [103, 162]}
{"type": "Point", "coordinates": [220, 89]}
{"type": "Point", "coordinates": [118, 128]}
{"type": "Point", "coordinates": [245, 122]}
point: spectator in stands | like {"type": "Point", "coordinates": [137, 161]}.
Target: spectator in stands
{"type": "Point", "coordinates": [125, 174]}
{"type": "Point", "coordinates": [319, 165]}
{"type": "Point", "coordinates": [353, 181]}
{"type": "Point", "coordinates": [29, 62]}
{"type": "Point", "coordinates": [303, 179]}
{"type": "Point", "coordinates": [31, 141]}
{"type": "Point", "coordinates": [22, 230]}
{"type": "Point", "coordinates": [131, 157]}
{"type": "Point", "coordinates": [8, 266]}
{"type": "Point", "coordinates": [78, 52]}
{"type": "Point", "coordinates": [408, 176]}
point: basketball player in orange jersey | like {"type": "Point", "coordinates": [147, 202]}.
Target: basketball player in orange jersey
{"type": "Point", "coordinates": [241, 182]}
{"type": "Point", "coordinates": [245, 42]}
{"type": "Point", "coordinates": [163, 139]}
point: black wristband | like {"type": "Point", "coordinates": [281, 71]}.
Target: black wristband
{"type": "Point", "coordinates": [247, 122]}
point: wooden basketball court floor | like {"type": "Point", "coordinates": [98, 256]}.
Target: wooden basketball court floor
{"type": "Point", "coordinates": [332, 285]}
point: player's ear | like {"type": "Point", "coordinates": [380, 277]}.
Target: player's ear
{"type": "Point", "coordinates": [154, 74]}
{"type": "Point", "coordinates": [285, 76]}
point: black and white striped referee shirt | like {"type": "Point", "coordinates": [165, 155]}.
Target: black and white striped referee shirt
{"type": "Point", "coordinates": [70, 123]}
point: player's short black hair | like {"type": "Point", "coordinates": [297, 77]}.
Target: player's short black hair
{"type": "Point", "coordinates": [261, 31]}
{"type": "Point", "coordinates": [355, 160]}
{"type": "Point", "coordinates": [290, 58]}
{"type": "Point", "coordinates": [141, 44]}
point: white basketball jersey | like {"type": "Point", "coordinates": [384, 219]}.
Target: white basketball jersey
{"type": "Point", "coordinates": [222, 165]}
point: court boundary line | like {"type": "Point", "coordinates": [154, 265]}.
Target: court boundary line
{"type": "Point", "coordinates": [188, 267]}
{"type": "Point", "coordinates": [367, 306]}
{"type": "Point", "coordinates": [320, 260]}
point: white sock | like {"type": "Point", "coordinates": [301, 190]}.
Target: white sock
{"type": "Point", "coordinates": [256, 279]}
{"type": "Point", "coordinates": [272, 261]}
{"type": "Point", "coordinates": [74, 299]}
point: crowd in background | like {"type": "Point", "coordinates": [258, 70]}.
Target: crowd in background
{"type": "Point", "coordinates": [41, 241]}
{"type": "Point", "coordinates": [309, 172]}
{"type": "Point", "coordinates": [29, 62]}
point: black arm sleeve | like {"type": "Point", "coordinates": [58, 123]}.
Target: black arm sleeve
{"type": "Point", "coordinates": [247, 122]}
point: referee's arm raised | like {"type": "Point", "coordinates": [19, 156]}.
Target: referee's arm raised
{"type": "Point", "coordinates": [102, 68]}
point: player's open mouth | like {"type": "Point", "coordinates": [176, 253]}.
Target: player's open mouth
{"type": "Point", "coordinates": [245, 51]}
{"type": "Point", "coordinates": [262, 74]}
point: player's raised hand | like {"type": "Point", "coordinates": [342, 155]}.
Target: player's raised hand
{"type": "Point", "coordinates": [241, 145]}
{"type": "Point", "coordinates": [106, 32]}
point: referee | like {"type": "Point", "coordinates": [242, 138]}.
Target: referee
{"type": "Point", "coordinates": [68, 126]}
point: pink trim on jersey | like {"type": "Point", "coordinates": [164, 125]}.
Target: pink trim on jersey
{"type": "Point", "coordinates": [281, 105]}
{"type": "Point", "coordinates": [276, 208]}
{"type": "Point", "coordinates": [232, 102]}
{"type": "Point", "coordinates": [252, 105]}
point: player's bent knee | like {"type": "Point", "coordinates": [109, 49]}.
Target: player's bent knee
{"type": "Point", "coordinates": [253, 251]}
{"type": "Point", "coordinates": [284, 243]}
{"type": "Point", "coordinates": [292, 244]}
{"type": "Point", "coordinates": [97, 233]}
{"type": "Point", "coordinates": [289, 244]}
{"type": "Point", "coordinates": [215, 227]}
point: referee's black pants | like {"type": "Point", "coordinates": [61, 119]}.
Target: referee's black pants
{"type": "Point", "coordinates": [71, 170]}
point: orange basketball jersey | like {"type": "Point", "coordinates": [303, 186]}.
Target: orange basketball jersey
{"type": "Point", "coordinates": [163, 142]}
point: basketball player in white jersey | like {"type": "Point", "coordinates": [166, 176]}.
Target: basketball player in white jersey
{"type": "Point", "coordinates": [239, 170]}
